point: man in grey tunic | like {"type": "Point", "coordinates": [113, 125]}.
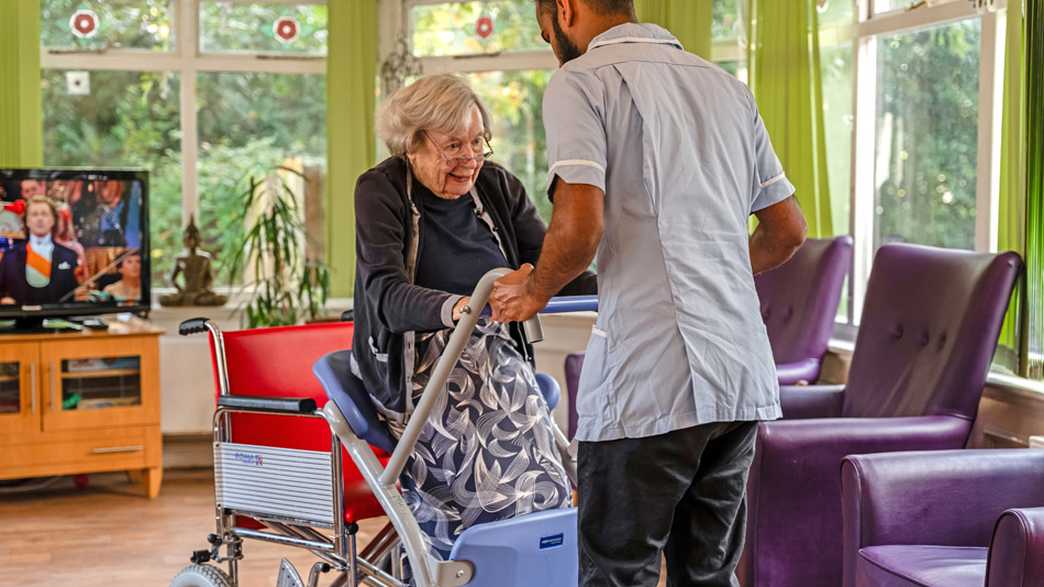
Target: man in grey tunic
{"type": "Point", "coordinates": [657, 158]}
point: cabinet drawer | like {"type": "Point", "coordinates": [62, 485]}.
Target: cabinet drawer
{"type": "Point", "coordinates": [128, 448]}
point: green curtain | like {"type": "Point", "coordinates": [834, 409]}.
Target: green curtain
{"type": "Point", "coordinates": [785, 79]}
{"type": "Point", "coordinates": [1012, 203]}
{"type": "Point", "coordinates": [1033, 319]}
{"type": "Point", "coordinates": [351, 73]}
{"type": "Point", "coordinates": [21, 118]}
{"type": "Point", "coordinates": [689, 20]}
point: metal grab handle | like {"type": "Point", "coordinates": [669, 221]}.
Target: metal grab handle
{"type": "Point", "coordinates": [117, 449]}
{"type": "Point", "coordinates": [466, 325]}
{"type": "Point", "coordinates": [32, 387]}
{"type": "Point", "coordinates": [562, 304]}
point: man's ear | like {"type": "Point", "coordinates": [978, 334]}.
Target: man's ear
{"type": "Point", "coordinates": [566, 10]}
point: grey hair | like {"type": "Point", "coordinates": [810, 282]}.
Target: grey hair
{"type": "Point", "coordinates": [437, 102]}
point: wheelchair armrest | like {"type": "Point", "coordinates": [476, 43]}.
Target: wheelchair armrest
{"type": "Point", "coordinates": [269, 405]}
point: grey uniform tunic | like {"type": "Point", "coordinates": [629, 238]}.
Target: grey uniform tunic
{"type": "Point", "coordinates": [683, 157]}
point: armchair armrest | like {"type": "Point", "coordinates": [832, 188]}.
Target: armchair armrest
{"type": "Point", "coordinates": [1017, 553]}
{"type": "Point", "coordinates": [812, 401]}
{"type": "Point", "coordinates": [794, 489]}
{"type": "Point", "coordinates": [806, 370]}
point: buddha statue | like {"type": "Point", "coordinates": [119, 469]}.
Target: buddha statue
{"type": "Point", "coordinates": [193, 267]}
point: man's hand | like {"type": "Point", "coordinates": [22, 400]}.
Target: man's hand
{"type": "Point", "coordinates": [514, 299]}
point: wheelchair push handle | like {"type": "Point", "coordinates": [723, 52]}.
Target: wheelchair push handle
{"type": "Point", "coordinates": [193, 326]}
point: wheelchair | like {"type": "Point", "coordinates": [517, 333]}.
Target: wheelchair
{"type": "Point", "coordinates": [281, 473]}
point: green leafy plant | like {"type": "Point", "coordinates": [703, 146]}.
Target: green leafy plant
{"type": "Point", "coordinates": [281, 284]}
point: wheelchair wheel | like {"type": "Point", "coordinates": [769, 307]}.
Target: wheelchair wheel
{"type": "Point", "coordinates": [201, 576]}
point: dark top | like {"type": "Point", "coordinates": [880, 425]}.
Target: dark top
{"type": "Point", "coordinates": [457, 248]}
{"type": "Point", "coordinates": [63, 276]}
{"type": "Point", "coordinates": [387, 303]}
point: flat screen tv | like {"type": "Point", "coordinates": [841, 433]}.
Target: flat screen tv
{"type": "Point", "coordinates": [73, 242]}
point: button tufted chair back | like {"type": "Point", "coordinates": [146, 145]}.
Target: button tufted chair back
{"type": "Point", "coordinates": [799, 300]}
{"type": "Point", "coordinates": [928, 331]}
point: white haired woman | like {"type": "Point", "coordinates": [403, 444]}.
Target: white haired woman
{"type": "Point", "coordinates": [430, 221]}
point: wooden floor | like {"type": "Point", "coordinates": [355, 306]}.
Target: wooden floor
{"type": "Point", "coordinates": [108, 535]}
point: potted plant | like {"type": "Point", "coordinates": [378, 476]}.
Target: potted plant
{"type": "Point", "coordinates": [281, 284]}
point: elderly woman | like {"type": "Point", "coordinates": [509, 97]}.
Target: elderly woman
{"type": "Point", "coordinates": [430, 221]}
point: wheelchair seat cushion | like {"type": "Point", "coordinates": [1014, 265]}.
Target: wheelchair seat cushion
{"type": "Point", "coordinates": [348, 393]}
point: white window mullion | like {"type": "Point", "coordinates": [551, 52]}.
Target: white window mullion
{"type": "Point", "coordinates": [187, 36]}
{"type": "Point", "coordinates": [115, 61]}
{"type": "Point", "coordinates": [925, 16]}
{"type": "Point", "coordinates": [521, 61]}
{"type": "Point", "coordinates": [259, 64]}
{"type": "Point", "coordinates": [864, 148]}
{"type": "Point", "coordinates": [991, 101]}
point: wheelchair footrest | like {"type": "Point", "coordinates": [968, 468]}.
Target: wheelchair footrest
{"type": "Point", "coordinates": [288, 575]}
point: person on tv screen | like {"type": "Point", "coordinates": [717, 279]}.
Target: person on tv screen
{"type": "Point", "coordinates": [128, 288]}
{"type": "Point", "coordinates": [103, 221]}
{"type": "Point", "coordinates": [32, 188]}
{"type": "Point", "coordinates": [38, 270]}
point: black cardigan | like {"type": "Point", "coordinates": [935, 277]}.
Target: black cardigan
{"type": "Point", "coordinates": [388, 306]}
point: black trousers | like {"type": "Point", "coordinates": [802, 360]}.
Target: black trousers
{"type": "Point", "coordinates": [681, 494]}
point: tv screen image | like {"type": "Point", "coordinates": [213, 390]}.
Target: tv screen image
{"type": "Point", "coordinates": [73, 242]}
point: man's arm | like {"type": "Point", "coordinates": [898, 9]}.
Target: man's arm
{"type": "Point", "coordinates": [780, 232]}
{"type": "Point", "coordinates": [569, 247]}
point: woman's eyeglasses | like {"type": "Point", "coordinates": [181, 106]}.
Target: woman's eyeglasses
{"type": "Point", "coordinates": [460, 152]}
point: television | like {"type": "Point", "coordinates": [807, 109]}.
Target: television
{"type": "Point", "coordinates": [73, 242]}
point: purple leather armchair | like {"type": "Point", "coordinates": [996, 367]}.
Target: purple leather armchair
{"type": "Point", "coordinates": [929, 328]}
{"type": "Point", "coordinates": [798, 304]}
{"type": "Point", "coordinates": [944, 519]}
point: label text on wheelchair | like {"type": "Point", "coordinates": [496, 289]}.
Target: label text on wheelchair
{"type": "Point", "coordinates": [551, 541]}
{"type": "Point", "coordinates": [249, 458]}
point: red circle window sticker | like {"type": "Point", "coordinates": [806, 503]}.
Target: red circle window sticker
{"type": "Point", "coordinates": [285, 29]}
{"type": "Point", "coordinates": [484, 27]}
{"type": "Point", "coordinates": [84, 24]}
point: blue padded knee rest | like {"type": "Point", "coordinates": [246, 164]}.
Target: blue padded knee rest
{"type": "Point", "coordinates": [347, 392]}
{"type": "Point", "coordinates": [550, 389]}
{"type": "Point", "coordinates": [535, 549]}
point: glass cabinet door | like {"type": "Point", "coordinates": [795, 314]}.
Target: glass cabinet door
{"type": "Point", "coordinates": [19, 390]}
{"type": "Point", "coordinates": [10, 387]}
{"type": "Point", "coordinates": [108, 383]}
{"type": "Point", "coordinates": [100, 383]}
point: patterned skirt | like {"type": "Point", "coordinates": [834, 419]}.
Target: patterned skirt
{"type": "Point", "coordinates": [488, 451]}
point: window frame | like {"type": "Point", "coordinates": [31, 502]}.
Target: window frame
{"type": "Point", "coordinates": [187, 60]}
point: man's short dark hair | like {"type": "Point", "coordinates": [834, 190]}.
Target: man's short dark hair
{"type": "Point", "coordinates": [605, 7]}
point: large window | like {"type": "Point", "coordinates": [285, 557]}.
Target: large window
{"type": "Point", "coordinates": [200, 93]}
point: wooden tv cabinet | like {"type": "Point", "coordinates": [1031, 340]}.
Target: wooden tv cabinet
{"type": "Point", "coordinates": [82, 402]}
